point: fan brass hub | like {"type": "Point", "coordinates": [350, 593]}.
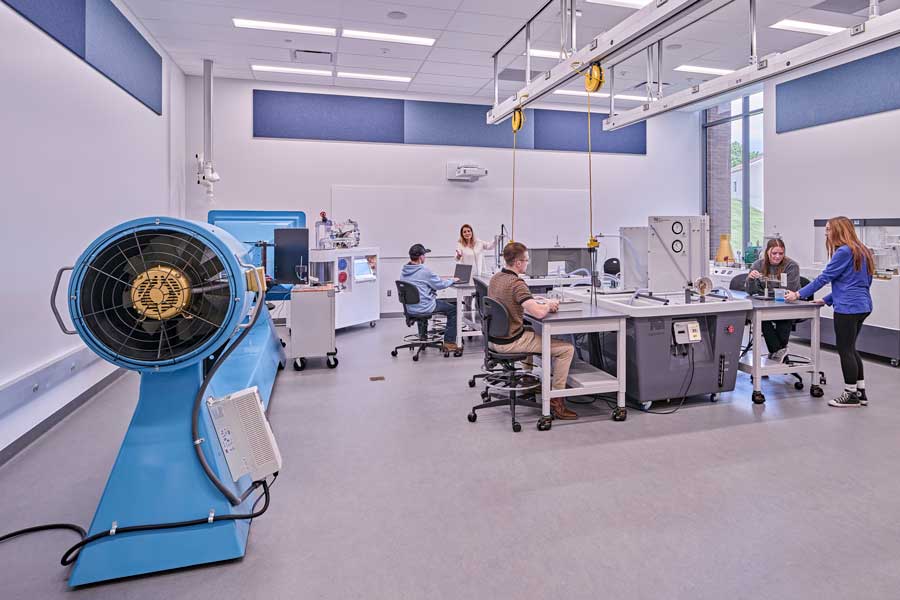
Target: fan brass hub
{"type": "Point", "coordinates": [160, 293]}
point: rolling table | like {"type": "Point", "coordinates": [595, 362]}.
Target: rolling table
{"type": "Point", "coordinates": [584, 378]}
{"type": "Point", "coordinates": [757, 365]}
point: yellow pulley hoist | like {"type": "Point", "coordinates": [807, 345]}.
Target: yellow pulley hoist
{"type": "Point", "coordinates": [518, 120]}
{"type": "Point", "coordinates": [593, 81]}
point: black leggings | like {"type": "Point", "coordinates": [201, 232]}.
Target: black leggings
{"type": "Point", "coordinates": [846, 330]}
{"type": "Point", "coordinates": [777, 334]}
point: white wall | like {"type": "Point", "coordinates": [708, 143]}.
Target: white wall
{"type": "Point", "coordinates": [267, 174]}
{"type": "Point", "coordinates": [77, 156]}
{"type": "Point", "coordinates": [846, 168]}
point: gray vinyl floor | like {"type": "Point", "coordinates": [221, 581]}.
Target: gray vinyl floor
{"type": "Point", "coordinates": [388, 492]}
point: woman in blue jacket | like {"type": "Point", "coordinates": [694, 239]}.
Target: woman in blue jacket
{"type": "Point", "coordinates": [850, 274]}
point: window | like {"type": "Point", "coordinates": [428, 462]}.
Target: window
{"type": "Point", "coordinates": [733, 133]}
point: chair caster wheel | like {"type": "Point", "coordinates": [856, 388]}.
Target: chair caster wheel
{"type": "Point", "coordinates": [485, 395]}
{"type": "Point", "coordinates": [283, 344]}
{"type": "Point", "coordinates": [415, 357]}
{"type": "Point", "coordinates": [331, 362]}
{"type": "Point", "coordinates": [393, 353]}
{"type": "Point", "coordinates": [281, 366]}
{"type": "Point", "coordinates": [299, 364]}
{"type": "Point", "coordinates": [822, 380]}
{"type": "Point", "coordinates": [517, 427]}
{"type": "Point", "coordinates": [458, 353]}
{"type": "Point", "coordinates": [544, 424]}
{"type": "Point", "coordinates": [758, 398]}
{"type": "Point", "coordinates": [815, 391]}
{"type": "Point", "coordinates": [646, 405]}
{"type": "Point", "coordinates": [471, 383]}
{"type": "Point", "coordinates": [472, 417]}
{"type": "Point", "coordinates": [371, 323]}
{"type": "Point", "coordinates": [798, 385]}
{"type": "Point", "coordinates": [619, 414]}
{"type": "Point", "coordinates": [713, 398]}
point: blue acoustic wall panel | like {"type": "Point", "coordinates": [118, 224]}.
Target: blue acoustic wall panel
{"type": "Point", "coordinates": [448, 124]}
{"type": "Point", "coordinates": [862, 87]}
{"type": "Point", "coordinates": [298, 115]}
{"type": "Point", "coordinates": [564, 130]}
{"type": "Point", "coordinates": [115, 48]}
{"type": "Point", "coordinates": [63, 20]}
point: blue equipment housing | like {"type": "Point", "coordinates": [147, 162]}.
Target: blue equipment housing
{"type": "Point", "coordinates": [161, 296]}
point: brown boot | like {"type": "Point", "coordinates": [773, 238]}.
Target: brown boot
{"type": "Point", "coordinates": [450, 347]}
{"type": "Point", "coordinates": [559, 410]}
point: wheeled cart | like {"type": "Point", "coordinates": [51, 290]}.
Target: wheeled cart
{"type": "Point", "coordinates": [312, 325]}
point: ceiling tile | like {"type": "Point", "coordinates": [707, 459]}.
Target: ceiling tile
{"type": "Point", "coordinates": [522, 9]}
{"type": "Point", "coordinates": [469, 41]}
{"type": "Point", "coordinates": [484, 24]}
{"type": "Point", "coordinates": [370, 61]}
{"type": "Point", "coordinates": [416, 17]}
{"type": "Point", "coordinates": [456, 69]}
{"type": "Point", "coordinates": [466, 57]}
{"type": "Point", "coordinates": [394, 50]}
{"type": "Point", "coordinates": [449, 81]}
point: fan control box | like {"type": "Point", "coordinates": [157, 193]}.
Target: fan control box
{"type": "Point", "coordinates": [245, 435]}
{"type": "Point", "coordinates": [686, 332]}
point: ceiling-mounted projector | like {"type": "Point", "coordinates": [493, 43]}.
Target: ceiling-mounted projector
{"type": "Point", "coordinates": [179, 302]}
{"type": "Point", "coordinates": [465, 172]}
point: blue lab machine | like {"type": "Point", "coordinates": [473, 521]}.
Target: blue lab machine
{"type": "Point", "coordinates": [165, 297]}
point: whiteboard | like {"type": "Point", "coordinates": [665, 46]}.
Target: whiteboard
{"type": "Point", "coordinates": [396, 217]}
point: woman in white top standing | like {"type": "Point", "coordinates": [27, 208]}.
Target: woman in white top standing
{"type": "Point", "coordinates": [470, 250]}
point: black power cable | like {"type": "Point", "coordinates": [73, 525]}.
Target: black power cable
{"type": "Point", "coordinates": [198, 403]}
{"type": "Point", "coordinates": [71, 554]}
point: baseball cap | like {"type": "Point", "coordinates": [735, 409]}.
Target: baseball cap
{"type": "Point", "coordinates": [417, 250]}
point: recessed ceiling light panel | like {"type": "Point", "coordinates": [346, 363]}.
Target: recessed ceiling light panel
{"type": "Point", "coordinates": [289, 27]}
{"type": "Point", "coordinates": [387, 37]}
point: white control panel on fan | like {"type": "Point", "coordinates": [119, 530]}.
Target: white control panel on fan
{"type": "Point", "coordinates": [686, 332]}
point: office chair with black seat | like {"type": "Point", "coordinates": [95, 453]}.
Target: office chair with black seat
{"type": "Point", "coordinates": [408, 295]}
{"type": "Point", "coordinates": [612, 266]}
{"type": "Point", "coordinates": [504, 378]}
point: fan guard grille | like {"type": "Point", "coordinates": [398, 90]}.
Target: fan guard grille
{"type": "Point", "coordinates": [155, 295]}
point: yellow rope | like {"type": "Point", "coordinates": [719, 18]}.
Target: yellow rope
{"type": "Point", "coordinates": [590, 174]}
{"type": "Point", "coordinates": [512, 229]}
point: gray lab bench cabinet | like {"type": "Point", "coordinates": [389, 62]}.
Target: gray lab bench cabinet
{"type": "Point", "coordinates": [312, 325]}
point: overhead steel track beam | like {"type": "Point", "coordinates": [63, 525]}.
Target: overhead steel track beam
{"type": "Point", "coordinates": [644, 28]}
{"type": "Point", "coordinates": [772, 65]}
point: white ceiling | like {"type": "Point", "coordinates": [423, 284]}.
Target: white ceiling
{"type": "Point", "coordinates": [468, 32]}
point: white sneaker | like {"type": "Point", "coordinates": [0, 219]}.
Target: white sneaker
{"type": "Point", "coordinates": [779, 355]}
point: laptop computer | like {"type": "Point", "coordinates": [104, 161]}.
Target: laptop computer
{"type": "Point", "coordinates": [463, 273]}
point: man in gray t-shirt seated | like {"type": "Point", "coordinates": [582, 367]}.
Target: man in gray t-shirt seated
{"type": "Point", "coordinates": [775, 266]}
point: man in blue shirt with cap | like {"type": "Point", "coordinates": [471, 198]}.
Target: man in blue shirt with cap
{"type": "Point", "coordinates": [416, 273]}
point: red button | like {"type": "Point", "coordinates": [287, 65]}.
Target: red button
{"type": "Point", "coordinates": [730, 329]}
{"type": "Point", "coordinates": [342, 277]}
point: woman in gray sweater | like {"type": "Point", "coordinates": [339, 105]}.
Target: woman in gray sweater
{"type": "Point", "coordinates": [775, 265]}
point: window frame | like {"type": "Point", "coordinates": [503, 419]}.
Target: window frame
{"type": "Point", "coordinates": [744, 116]}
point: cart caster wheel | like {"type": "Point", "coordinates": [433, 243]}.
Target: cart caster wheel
{"type": "Point", "coordinates": [471, 383]}
{"type": "Point", "coordinates": [822, 380]}
{"type": "Point", "coordinates": [815, 391]}
{"type": "Point", "coordinates": [299, 364]}
{"type": "Point", "coordinates": [472, 417]}
{"type": "Point", "coordinates": [446, 355]}
{"type": "Point", "coordinates": [758, 398]}
{"type": "Point", "coordinates": [798, 385]}
{"type": "Point", "coordinates": [646, 405]}
{"type": "Point", "coordinates": [517, 427]}
{"type": "Point", "coordinates": [895, 362]}
{"type": "Point", "coordinates": [331, 362]}
{"type": "Point", "coordinates": [544, 424]}
{"type": "Point", "coordinates": [619, 414]}
{"type": "Point", "coordinates": [458, 353]}
{"type": "Point", "coordinates": [415, 357]}
{"type": "Point", "coordinates": [283, 343]}
{"type": "Point", "coordinates": [281, 366]}
{"type": "Point", "coordinates": [485, 395]}
{"type": "Point", "coordinates": [393, 353]}
{"type": "Point", "coordinates": [713, 398]}
{"type": "Point", "coordinates": [371, 323]}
